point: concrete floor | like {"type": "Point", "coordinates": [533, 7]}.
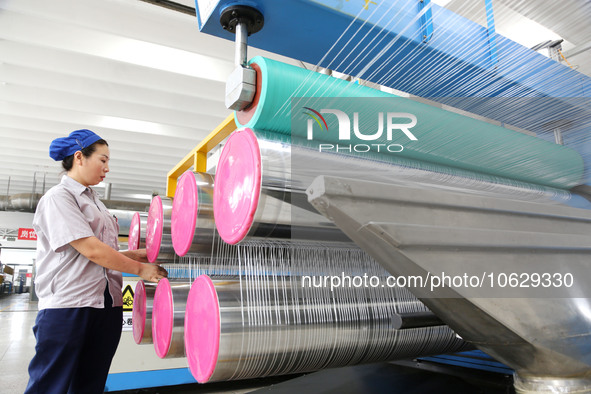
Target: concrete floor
{"type": "Point", "coordinates": [17, 343]}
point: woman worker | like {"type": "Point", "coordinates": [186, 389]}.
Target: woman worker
{"type": "Point", "coordinates": [78, 274]}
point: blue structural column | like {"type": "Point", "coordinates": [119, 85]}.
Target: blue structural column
{"type": "Point", "coordinates": [492, 35]}
{"type": "Point", "coordinates": [426, 20]}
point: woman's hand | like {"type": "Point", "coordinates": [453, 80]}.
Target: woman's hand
{"type": "Point", "coordinates": [130, 261]}
{"type": "Point", "coordinates": [152, 272]}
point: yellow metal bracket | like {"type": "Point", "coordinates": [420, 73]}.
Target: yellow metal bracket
{"type": "Point", "coordinates": [197, 158]}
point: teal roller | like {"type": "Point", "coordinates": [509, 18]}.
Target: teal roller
{"type": "Point", "coordinates": [443, 138]}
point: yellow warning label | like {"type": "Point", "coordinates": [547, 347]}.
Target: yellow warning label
{"type": "Point", "coordinates": [127, 299]}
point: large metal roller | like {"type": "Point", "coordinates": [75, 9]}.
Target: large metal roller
{"type": "Point", "coordinates": [143, 301]}
{"type": "Point", "coordinates": [261, 182]}
{"type": "Point", "coordinates": [252, 196]}
{"type": "Point", "coordinates": [137, 231]}
{"type": "Point", "coordinates": [233, 333]}
{"type": "Point", "coordinates": [445, 138]}
{"type": "Point", "coordinates": [168, 316]}
{"type": "Point", "coordinates": [158, 239]}
{"type": "Point", "coordinates": [192, 226]}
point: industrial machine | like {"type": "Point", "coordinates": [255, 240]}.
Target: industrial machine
{"type": "Point", "coordinates": [489, 226]}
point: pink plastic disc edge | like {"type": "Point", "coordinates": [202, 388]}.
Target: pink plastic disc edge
{"type": "Point", "coordinates": [246, 222]}
{"type": "Point", "coordinates": [139, 318]}
{"type": "Point", "coordinates": [182, 237]}
{"type": "Point", "coordinates": [153, 250]}
{"type": "Point", "coordinates": [133, 239]}
{"type": "Point", "coordinates": [202, 364]}
{"type": "Point", "coordinates": [162, 325]}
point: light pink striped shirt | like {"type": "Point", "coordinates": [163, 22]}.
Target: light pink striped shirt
{"type": "Point", "coordinates": [65, 278]}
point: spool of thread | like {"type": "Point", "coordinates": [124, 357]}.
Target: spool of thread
{"type": "Point", "coordinates": [443, 137]}
{"type": "Point", "coordinates": [143, 300]}
{"type": "Point", "coordinates": [168, 317]}
{"type": "Point", "coordinates": [227, 340]}
{"type": "Point", "coordinates": [137, 231]}
{"type": "Point", "coordinates": [158, 239]}
{"type": "Point", "coordinates": [192, 225]}
{"type": "Point", "coordinates": [250, 202]}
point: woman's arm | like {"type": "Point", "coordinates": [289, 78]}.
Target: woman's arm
{"type": "Point", "coordinates": [137, 255]}
{"type": "Point", "coordinates": [102, 254]}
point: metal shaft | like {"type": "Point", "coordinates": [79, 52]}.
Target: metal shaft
{"type": "Point", "coordinates": [240, 54]}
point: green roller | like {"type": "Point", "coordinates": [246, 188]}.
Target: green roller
{"type": "Point", "coordinates": [443, 138]}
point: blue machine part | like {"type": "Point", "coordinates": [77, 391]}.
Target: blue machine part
{"type": "Point", "coordinates": [475, 359]}
{"type": "Point", "coordinates": [370, 39]}
{"type": "Point", "coordinates": [492, 34]}
{"type": "Point", "coordinates": [145, 379]}
{"type": "Point", "coordinates": [428, 51]}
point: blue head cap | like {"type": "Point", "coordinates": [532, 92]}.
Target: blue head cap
{"type": "Point", "coordinates": [61, 148]}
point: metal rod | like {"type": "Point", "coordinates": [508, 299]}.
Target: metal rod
{"type": "Point", "coordinates": [32, 197]}
{"type": "Point", "coordinates": [415, 320]}
{"type": "Point", "coordinates": [558, 137]}
{"type": "Point", "coordinates": [108, 191]}
{"type": "Point", "coordinates": [240, 55]}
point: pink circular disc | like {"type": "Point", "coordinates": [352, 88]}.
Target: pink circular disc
{"type": "Point", "coordinates": [238, 186]}
{"type": "Point", "coordinates": [135, 228]}
{"type": "Point", "coordinates": [154, 229]}
{"type": "Point", "coordinates": [138, 314]}
{"type": "Point", "coordinates": [184, 213]}
{"type": "Point", "coordinates": [202, 329]}
{"type": "Point", "coordinates": [162, 318]}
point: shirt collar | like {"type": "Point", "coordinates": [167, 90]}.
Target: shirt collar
{"type": "Point", "coordinates": [75, 186]}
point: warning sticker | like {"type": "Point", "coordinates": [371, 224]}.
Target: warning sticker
{"type": "Point", "coordinates": [127, 299]}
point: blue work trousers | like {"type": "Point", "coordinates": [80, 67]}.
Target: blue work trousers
{"type": "Point", "coordinates": [74, 349]}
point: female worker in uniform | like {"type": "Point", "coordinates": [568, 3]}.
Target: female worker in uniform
{"type": "Point", "coordinates": [78, 274]}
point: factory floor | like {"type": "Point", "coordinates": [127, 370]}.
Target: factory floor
{"type": "Point", "coordinates": [17, 343]}
{"type": "Point", "coordinates": [17, 347]}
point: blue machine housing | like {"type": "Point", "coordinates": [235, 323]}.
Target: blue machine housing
{"type": "Point", "coordinates": [371, 43]}
{"type": "Point", "coordinates": [428, 51]}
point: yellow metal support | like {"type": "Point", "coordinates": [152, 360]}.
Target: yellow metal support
{"type": "Point", "coordinates": [197, 158]}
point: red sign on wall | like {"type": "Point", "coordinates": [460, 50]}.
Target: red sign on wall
{"type": "Point", "coordinates": [27, 234]}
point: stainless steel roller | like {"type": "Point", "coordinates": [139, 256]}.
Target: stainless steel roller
{"type": "Point", "coordinates": [137, 231]}
{"type": "Point", "coordinates": [192, 225]}
{"type": "Point", "coordinates": [168, 317]}
{"type": "Point", "coordinates": [158, 238]}
{"type": "Point", "coordinates": [233, 332]}
{"type": "Point", "coordinates": [260, 186]}
{"type": "Point", "coordinates": [142, 312]}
